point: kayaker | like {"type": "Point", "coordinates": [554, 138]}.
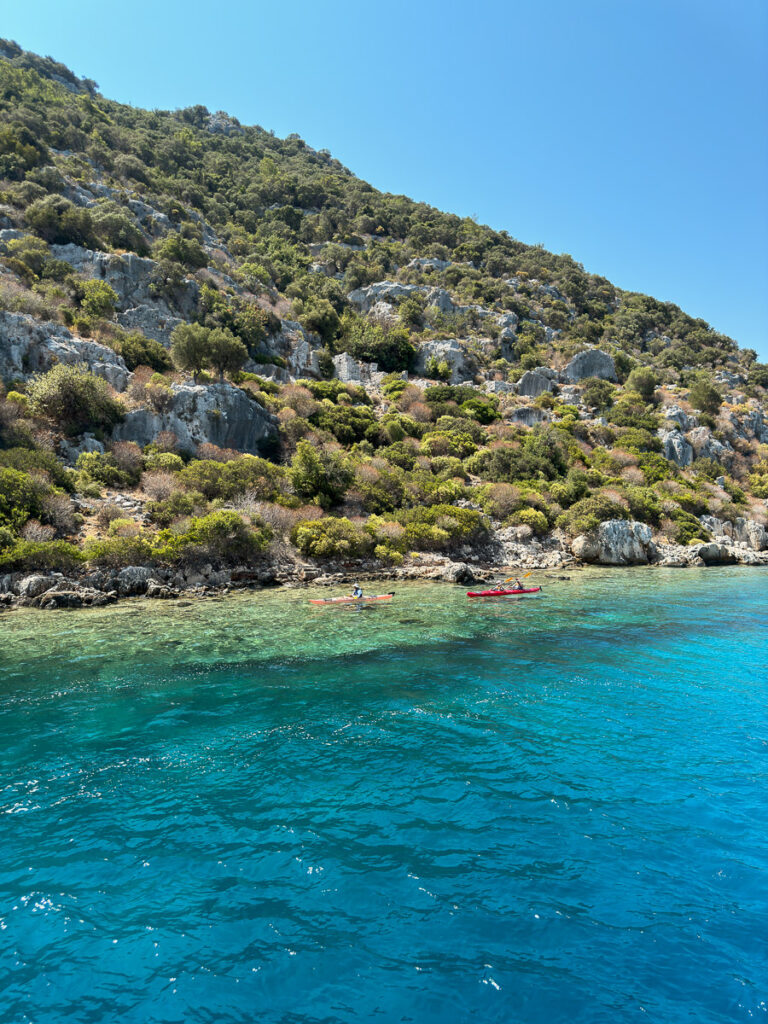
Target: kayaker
{"type": "Point", "coordinates": [518, 585]}
{"type": "Point", "coordinates": [357, 592]}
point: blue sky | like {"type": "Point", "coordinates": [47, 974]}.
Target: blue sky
{"type": "Point", "coordinates": [629, 133]}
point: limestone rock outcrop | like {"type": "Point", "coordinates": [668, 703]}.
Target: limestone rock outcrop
{"type": "Point", "coordinates": [616, 542]}
{"type": "Point", "coordinates": [29, 346]}
{"type": "Point", "coordinates": [742, 531]}
{"type": "Point", "coordinates": [218, 413]}
{"type": "Point", "coordinates": [533, 383]}
{"type": "Point", "coordinates": [675, 447]}
{"type": "Point", "coordinates": [463, 366]}
{"type": "Point", "coordinates": [591, 363]}
{"type": "Point", "coordinates": [706, 446]}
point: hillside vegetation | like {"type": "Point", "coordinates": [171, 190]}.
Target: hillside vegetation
{"type": "Point", "coordinates": [218, 347]}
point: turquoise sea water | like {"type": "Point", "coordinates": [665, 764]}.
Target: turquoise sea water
{"type": "Point", "coordinates": [543, 810]}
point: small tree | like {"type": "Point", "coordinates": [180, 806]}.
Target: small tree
{"type": "Point", "coordinates": [226, 353]}
{"type": "Point", "coordinates": [190, 348]}
{"type": "Point", "coordinates": [99, 298]}
{"type": "Point", "coordinates": [704, 396]}
{"type": "Point", "coordinates": [319, 475]}
{"type": "Point", "coordinates": [643, 380]}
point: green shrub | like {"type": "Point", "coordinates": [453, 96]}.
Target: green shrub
{"type": "Point", "coordinates": [598, 394]}
{"type": "Point", "coordinates": [205, 476]}
{"type": "Point", "coordinates": [587, 514]}
{"type": "Point", "coordinates": [445, 442]}
{"type": "Point", "coordinates": [644, 381]}
{"type": "Point", "coordinates": [117, 552]}
{"type": "Point", "coordinates": [28, 460]}
{"type": "Point", "coordinates": [249, 473]}
{"type": "Point", "coordinates": [98, 298]}
{"type": "Point", "coordinates": [137, 350]}
{"type": "Point", "coordinates": [222, 535]}
{"type": "Point", "coordinates": [318, 475]}
{"type": "Point", "coordinates": [644, 505]}
{"type": "Point", "coordinates": [330, 538]}
{"type": "Point", "coordinates": [335, 389]}
{"type": "Point", "coordinates": [175, 248]}
{"type": "Point", "coordinates": [166, 461]}
{"type": "Point", "coordinates": [179, 503]}
{"type": "Point", "coordinates": [687, 527]}
{"type": "Point", "coordinates": [390, 349]}
{"type": "Point", "coordinates": [385, 493]}
{"type": "Point", "coordinates": [632, 411]}
{"type": "Point", "coordinates": [532, 517]}
{"type": "Point", "coordinates": [656, 468]}
{"type": "Point", "coordinates": [59, 221]}
{"type": "Point", "coordinates": [704, 396]}
{"type": "Point", "coordinates": [484, 410]}
{"type": "Point", "coordinates": [348, 424]}
{"type": "Point", "coordinates": [101, 467]}
{"type": "Point", "coordinates": [758, 479]}
{"type": "Point", "coordinates": [26, 556]}
{"type": "Point", "coordinates": [19, 498]}
{"type": "Point", "coordinates": [442, 527]}
{"type": "Point", "coordinates": [575, 486]}
{"type": "Point", "coordinates": [400, 454]}
{"type": "Point", "coordinates": [74, 399]}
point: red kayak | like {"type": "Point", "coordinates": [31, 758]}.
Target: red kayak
{"type": "Point", "coordinates": [502, 593]}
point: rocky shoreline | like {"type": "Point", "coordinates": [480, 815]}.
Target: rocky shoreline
{"type": "Point", "coordinates": [616, 544]}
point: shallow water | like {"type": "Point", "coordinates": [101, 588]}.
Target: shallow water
{"type": "Point", "coordinates": [538, 810]}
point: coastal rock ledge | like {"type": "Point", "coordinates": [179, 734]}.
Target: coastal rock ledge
{"type": "Point", "coordinates": [616, 542]}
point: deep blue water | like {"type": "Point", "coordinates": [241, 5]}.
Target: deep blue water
{"type": "Point", "coordinates": [544, 811]}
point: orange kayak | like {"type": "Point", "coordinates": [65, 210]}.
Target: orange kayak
{"type": "Point", "coordinates": [352, 600]}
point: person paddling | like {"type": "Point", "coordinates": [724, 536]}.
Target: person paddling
{"type": "Point", "coordinates": [357, 592]}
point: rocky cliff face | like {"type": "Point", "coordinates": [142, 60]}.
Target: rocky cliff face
{"type": "Point", "coordinates": [219, 414]}
{"type": "Point", "coordinates": [29, 346]}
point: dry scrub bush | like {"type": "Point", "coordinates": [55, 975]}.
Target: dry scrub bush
{"type": "Point", "coordinates": [503, 500]}
{"type": "Point", "coordinates": [37, 532]}
{"type": "Point", "coordinates": [421, 412]}
{"type": "Point", "coordinates": [137, 387]}
{"type": "Point", "coordinates": [208, 450]}
{"type": "Point", "coordinates": [633, 475]}
{"type": "Point", "coordinates": [107, 513]}
{"type": "Point", "coordinates": [367, 474]}
{"type": "Point", "coordinates": [59, 512]}
{"type": "Point", "coordinates": [282, 520]}
{"type": "Point", "coordinates": [611, 495]}
{"type": "Point", "coordinates": [299, 399]}
{"type": "Point", "coordinates": [624, 459]}
{"type": "Point", "coordinates": [124, 528]}
{"type": "Point", "coordinates": [167, 441]}
{"type": "Point", "coordinates": [158, 484]}
{"type": "Point", "coordinates": [128, 457]}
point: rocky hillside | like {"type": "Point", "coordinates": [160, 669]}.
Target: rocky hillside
{"type": "Point", "coordinates": [222, 349]}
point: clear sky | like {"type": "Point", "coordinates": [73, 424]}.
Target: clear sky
{"type": "Point", "coordinates": [629, 133]}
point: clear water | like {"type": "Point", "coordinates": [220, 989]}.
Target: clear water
{"type": "Point", "coordinates": [542, 810]}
